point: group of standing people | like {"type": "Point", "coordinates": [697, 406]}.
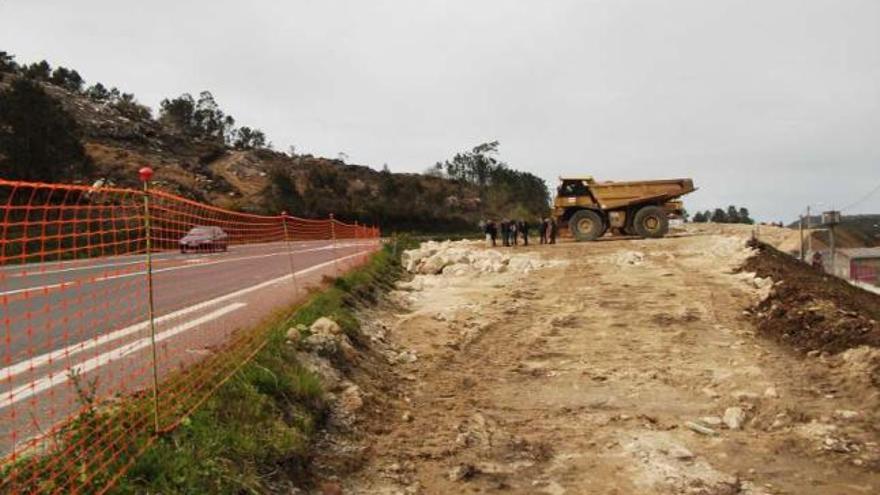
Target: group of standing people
{"type": "Point", "coordinates": [511, 230]}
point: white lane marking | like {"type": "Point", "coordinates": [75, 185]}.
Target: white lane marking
{"type": "Point", "coordinates": [47, 358]}
{"type": "Point", "coordinates": [26, 273]}
{"type": "Point", "coordinates": [25, 391]}
{"type": "Point", "coordinates": [39, 268]}
{"type": "Point", "coordinates": [165, 255]}
{"type": "Point", "coordinates": [62, 285]}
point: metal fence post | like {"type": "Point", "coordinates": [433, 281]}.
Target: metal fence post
{"type": "Point", "coordinates": [146, 173]}
{"type": "Point", "coordinates": [335, 248]}
{"type": "Point", "coordinates": [287, 241]}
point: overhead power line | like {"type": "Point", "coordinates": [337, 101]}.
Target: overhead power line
{"type": "Point", "coordinates": [862, 199]}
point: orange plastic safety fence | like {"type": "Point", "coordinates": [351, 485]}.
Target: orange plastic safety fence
{"type": "Point", "coordinates": [87, 378]}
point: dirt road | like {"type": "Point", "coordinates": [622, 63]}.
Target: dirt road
{"type": "Point", "coordinates": [614, 367]}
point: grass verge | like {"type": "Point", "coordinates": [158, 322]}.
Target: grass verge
{"type": "Point", "coordinates": [254, 434]}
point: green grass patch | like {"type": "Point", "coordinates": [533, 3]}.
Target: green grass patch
{"type": "Point", "coordinates": [254, 434]}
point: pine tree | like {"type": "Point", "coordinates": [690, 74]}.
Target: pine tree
{"type": "Point", "coordinates": [732, 214]}
{"type": "Point", "coordinates": [41, 71]}
{"type": "Point", "coordinates": [7, 62]}
{"type": "Point", "coordinates": [98, 93]}
{"type": "Point", "coordinates": [39, 139]}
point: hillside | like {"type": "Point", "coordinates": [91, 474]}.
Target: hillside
{"type": "Point", "coordinates": [118, 136]}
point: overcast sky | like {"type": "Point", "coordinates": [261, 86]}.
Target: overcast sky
{"type": "Point", "coordinates": [771, 104]}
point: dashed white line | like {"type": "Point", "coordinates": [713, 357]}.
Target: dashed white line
{"type": "Point", "coordinates": [62, 285]}
{"type": "Point", "coordinates": [25, 391]}
{"type": "Point", "coordinates": [50, 357]}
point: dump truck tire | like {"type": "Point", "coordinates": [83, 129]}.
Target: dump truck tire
{"type": "Point", "coordinates": [651, 221]}
{"type": "Point", "coordinates": [586, 225]}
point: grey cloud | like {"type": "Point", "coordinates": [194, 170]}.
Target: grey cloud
{"type": "Point", "coordinates": [772, 104]}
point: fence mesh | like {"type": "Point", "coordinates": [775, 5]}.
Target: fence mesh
{"type": "Point", "coordinates": [122, 310]}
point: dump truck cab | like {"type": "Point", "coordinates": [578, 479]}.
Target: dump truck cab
{"type": "Point", "coordinates": [590, 208]}
{"type": "Point", "coordinates": [574, 191]}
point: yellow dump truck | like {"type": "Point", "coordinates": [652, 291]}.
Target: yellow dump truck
{"type": "Point", "coordinates": [591, 208]}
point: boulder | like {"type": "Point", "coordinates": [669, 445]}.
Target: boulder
{"type": "Point", "coordinates": [326, 338]}
{"type": "Point", "coordinates": [433, 265]}
{"type": "Point", "coordinates": [458, 269]}
{"type": "Point", "coordinates": [294, 334]}
{"type": "Point", "coordinates": [734, 417]}
{"type": "Point", "coordinates": [324, 325]}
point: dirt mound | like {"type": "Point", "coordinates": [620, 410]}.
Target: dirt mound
{"type": "Point", "coordinates": [810, 310]}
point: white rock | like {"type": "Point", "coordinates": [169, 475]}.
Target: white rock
{"type": "Point", "coordinates": [711, 420]}
{"type": "Point", "coordinates": [734, 417]}
{"type": "Point", "coordinates": [466, 258]}
{"type": "Point", "coordinates": [326, 338]}
{"type": "Point", "coordinates": [458, 269]}
{"type": "Point", "coordinates": [433, 265]}
{"type": "Point", "coordinates": [630, 258]}
{"type": "Point", "coordinates": [845, 414]}
{"type": "Point", "coordinates": [406, 357]}
{"type": "Point", "coordinates": [326, 326]}
{"type": "Point", "coordinates": [293, 334]}
{"type": "Point", "coordinates": [681, 453]}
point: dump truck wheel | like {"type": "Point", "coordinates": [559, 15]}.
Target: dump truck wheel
{"type": "Point", "coordinates": [651, 221]}
{"type": "Point", "coordinates": [586, 225]}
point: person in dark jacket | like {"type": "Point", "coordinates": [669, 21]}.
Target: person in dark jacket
{"type": "Point", "coordinates": [505, 232]}
{"type": "Point", "coordinates": [554, 230]}
{"type": "Point", "coordinates": [817, 261]}
{"type": "Point", "coordinates": [524, 231]}
{"type": "Point", "coordinates": [542, 230]}
{"type": "Point", "coordinates": [491, 232]}
{"type": "Point", "coordinates": [514, 236]}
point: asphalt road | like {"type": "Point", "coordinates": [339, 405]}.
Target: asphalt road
{"type": "Point", "coordinates": [90, 316]}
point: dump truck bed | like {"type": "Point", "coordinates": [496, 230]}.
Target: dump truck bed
{"type": "Point", "coordinates": [613, 195]}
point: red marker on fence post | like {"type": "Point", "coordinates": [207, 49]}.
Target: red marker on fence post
{"type": "Point", "coordinates": [146, 174]}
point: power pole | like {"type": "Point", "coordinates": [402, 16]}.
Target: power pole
{"type": "Point", "coordinates": [833, 251]}
{"type": "Point", "coordinates": [831, 219]}
{"type": "Point", "coordinates": [801, 228]}
{"type": "Point", "coordinates": [809, 231]}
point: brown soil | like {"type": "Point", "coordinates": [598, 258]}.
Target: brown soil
{"type": "Point", "coordinates": [596, 375]}
{"type": "Point", "coordinates": [811, 310]}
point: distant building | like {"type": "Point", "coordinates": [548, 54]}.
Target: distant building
{"type": "Point", "coordinates": [858, 264]}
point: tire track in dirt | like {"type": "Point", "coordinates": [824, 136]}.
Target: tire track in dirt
{"type": "Point", "coordinates": [581, 378]}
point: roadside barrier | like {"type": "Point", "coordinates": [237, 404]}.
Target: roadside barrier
{"type": "Point", "coordinates": [122, 310]}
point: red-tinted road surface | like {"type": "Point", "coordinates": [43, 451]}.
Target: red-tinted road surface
{"type": "Point", "coordinates": [90, 317]}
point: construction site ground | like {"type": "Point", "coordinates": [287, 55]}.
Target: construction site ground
{"type": "Point", "coordinates": [622, 366]}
